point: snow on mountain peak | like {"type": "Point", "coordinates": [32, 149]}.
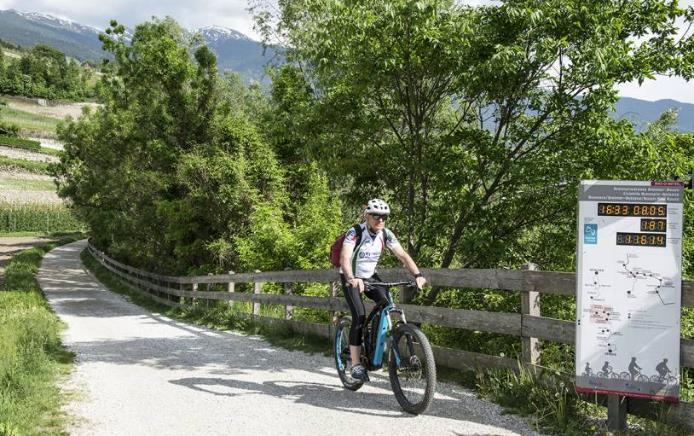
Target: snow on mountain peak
{"type": "Point", "coordinates": [56, 21]}
{"type": "Point", "coordinates": [214, 33]}
{"type": "Point", "coordinates": [210, 33]}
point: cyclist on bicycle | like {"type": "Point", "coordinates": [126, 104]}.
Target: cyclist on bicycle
{"type": "Point", "coordinates": [662, 369]}
{"type": "Point", "coordinates": [606, 369]}
{"type": "Point", "coordinates": [634, 368]}
{"type": "Point", "coordinates": [358, 260]}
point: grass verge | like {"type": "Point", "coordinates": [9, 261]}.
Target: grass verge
{"type": "Point", "coordinates": [551, 400]}
{"type": "Point", "coordinates": [29, 121]}
{"type": "Point", "coordinates": [31, 354]}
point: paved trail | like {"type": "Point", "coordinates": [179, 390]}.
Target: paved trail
{"type": "Point", "coordinates": [139, 373]}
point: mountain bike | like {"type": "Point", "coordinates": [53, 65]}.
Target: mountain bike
{"type": "Point", "coordinates": [667, 378]}
{"type": "Point", "coordinates": [624, 375]}
{"type": "Point", "coordinates": [411, 366]}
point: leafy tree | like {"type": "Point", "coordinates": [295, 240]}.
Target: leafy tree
{"type": "Point", "coordinates": [44, 72]}
{"type": "Point", "coordinates": [163, 173]}
{"type": "Point", "coordinates": [274, 243]}
{"type": "Point", "coordinates": [477, 123]}
{"type": "Point", "coordinates": [172, 174]}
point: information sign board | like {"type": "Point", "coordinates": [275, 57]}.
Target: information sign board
{"type": "Point", "coordinates": [629, 280]}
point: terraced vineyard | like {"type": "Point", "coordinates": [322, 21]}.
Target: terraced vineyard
{"type": "Point", "coordinates": [38, 118]}
{"type": "Point", "coordinates": [29, 203]}
{"type": "Point", "coordinates": [28, 199]}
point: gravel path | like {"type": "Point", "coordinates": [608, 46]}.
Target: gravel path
{"type": "Point", "coordinates": [140, 373]}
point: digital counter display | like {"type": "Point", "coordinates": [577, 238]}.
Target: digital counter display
{"type": "Point", "coordinates": [653, 225]}
{"type": "Point", "coordinates": [632, 209]}
{"type": "Point", "coordinates": [641, 239]}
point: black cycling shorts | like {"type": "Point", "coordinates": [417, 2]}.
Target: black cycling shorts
{"type": "Point", "coordinates": [356, 305]}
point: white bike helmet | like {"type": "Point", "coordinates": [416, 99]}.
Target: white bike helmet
{"type": "Point", "coordinates": [377, 206]}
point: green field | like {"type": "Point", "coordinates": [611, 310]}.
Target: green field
{"type": "Point", "coordinates": [16, 182]}
{"type": "Point", "coordinates": [29, 121]}
{"type": "Point", "coordinates": [37, 218]}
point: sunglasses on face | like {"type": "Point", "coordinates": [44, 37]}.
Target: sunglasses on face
{"type": "Point", "coordinates": [378, 217]}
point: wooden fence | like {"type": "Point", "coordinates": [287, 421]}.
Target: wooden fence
{"type": "Point", "coordinates": [528, 325]}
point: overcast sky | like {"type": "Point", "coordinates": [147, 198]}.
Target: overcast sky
{"type": "Point", "coordinates": [234, 14]}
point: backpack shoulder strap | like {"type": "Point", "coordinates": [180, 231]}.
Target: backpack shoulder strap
{"type": "Point", "coordinates": [358, 230]}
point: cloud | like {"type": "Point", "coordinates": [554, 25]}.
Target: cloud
{"type": "Point", "coordinates": [225, 13]}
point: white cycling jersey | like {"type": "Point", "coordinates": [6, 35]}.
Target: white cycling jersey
{"type": "Point", "coordinates": [365, 256]}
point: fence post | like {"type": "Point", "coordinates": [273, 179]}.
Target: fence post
{"type": "Point", "coordinates": [231, 287]}
{"type": "Point", "coordinates": [530, 305]}
{"type": "Point", "coordinates": [167, 285]}
{"type": "Point", "coordinates": [288, 290]}
{"type": "Point", "coordinates": [209, 285]}
{"type": "Point", "coordinates": [194, 288]}
{"type": "Point", "coordinates": [257, 289]}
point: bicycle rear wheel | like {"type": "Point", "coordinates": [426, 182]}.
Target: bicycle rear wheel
{"type": "Point", "coordinates": [342, 356]}
{"type": "Point", "coordinates": [414, 380]}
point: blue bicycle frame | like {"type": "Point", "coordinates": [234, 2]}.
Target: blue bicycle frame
{"type": "Point", "coordinates": [385, 325]}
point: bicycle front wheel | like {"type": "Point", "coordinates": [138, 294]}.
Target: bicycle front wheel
{"type": "Point", "coordinates": [342, 355]}
{"type": "Point", "coordinates": [413, 379]}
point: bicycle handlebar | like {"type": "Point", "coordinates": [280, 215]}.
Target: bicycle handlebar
{"type": "Point", "coordinates": [409, 283]}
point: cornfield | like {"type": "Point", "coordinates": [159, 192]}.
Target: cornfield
{"type": "Point", "coordinates": [34, 217]}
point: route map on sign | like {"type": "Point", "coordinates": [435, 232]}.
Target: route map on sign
{"type": "Point", "coordinates": [628, 280]}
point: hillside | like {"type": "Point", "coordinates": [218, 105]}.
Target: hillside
{"type": "Point", "coordinates": [234, 50]}
{"type": "Point", "coordinates": [28, 29]}
{"type": "Point", "coordinates": [642, 112]}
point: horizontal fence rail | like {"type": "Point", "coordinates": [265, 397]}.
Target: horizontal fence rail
{"type": "Point", "coordinates": [527, 325]}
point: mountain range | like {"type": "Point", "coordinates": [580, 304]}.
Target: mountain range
{"type": "Point", "coordinates": [235, 51]}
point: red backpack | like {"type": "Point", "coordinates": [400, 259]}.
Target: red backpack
{"type": "Point", "coordinates": [336, 248]}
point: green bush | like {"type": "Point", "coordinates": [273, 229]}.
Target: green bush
{"type": "Point", "coordinates": [13, 141]}
{"type": "Point", "coordinates": [7, 128]}
{"type": "Point", "coordinates": [28, 165]}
